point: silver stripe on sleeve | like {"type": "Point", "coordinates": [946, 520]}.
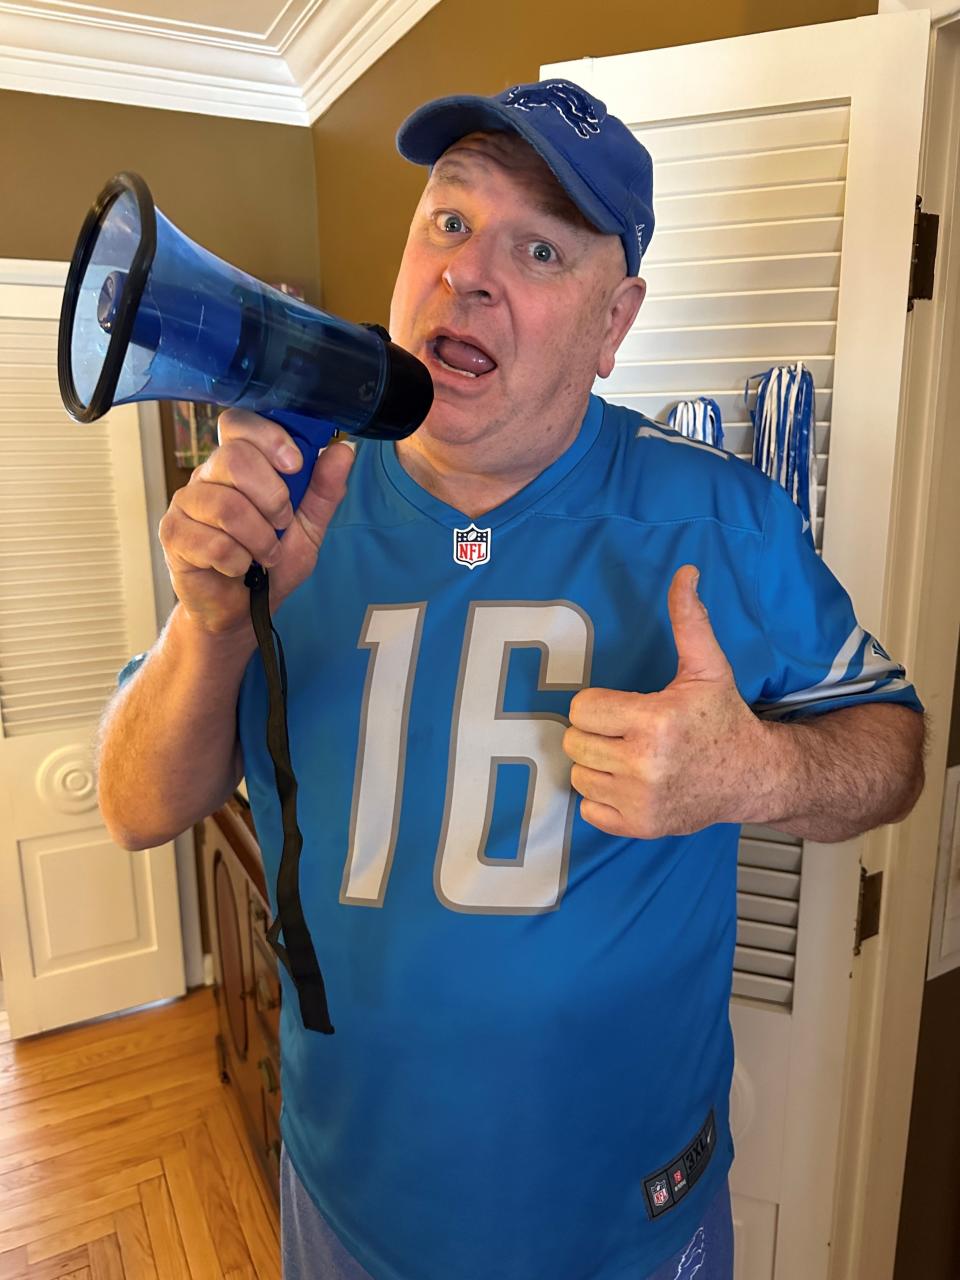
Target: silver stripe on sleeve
{"type": "Point", "coordinates": [837, 668]}
{"type": "Point", "coordinates": [794, 701]}
{"type": "Point", "coordinates": [870, 674]}
{"type": "Point", "coordinates": [670, 436]}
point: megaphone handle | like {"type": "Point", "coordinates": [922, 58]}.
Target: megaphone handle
{"type": "Point", "coordinates": [309, 446]}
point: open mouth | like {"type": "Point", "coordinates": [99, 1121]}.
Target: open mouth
{"type": "Point", "coordinates": [462, 355]}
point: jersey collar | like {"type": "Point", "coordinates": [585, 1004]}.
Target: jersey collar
{"type": "Point", "coordinates": [522, 500]}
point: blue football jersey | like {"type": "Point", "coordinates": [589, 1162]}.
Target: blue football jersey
{"type": "Point", "coordinates": [532, 1059]}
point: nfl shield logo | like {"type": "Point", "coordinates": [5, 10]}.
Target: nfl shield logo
{"type": "Point", "coordinates": [661, 1193]}
{"type": "Point", "coordinates": [471, 546]}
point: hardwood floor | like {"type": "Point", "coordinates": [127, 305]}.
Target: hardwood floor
{"type": "Point", "coordinates": [123, 1157]}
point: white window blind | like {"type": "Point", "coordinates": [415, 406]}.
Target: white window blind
{"type": "Point", "coordinates": [743, 274]}
{"type": "Point", "coordinates": [62, 617]}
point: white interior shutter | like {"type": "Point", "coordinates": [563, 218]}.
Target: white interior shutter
{"type": "Point", "coordinates": [744, 269]}
{"type": "Point", "coordinates": [63, 627]}
{"type": "Point", "coordinates": [743, 273]}
{"type": "Point", "coordinates": [768, 915]}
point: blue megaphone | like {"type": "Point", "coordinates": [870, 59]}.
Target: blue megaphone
{"type": "Point", "coordinates": [149, 315]}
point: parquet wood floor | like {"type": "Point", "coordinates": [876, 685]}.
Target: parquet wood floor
{"type": "Point", "coordinates": [123, 1157]}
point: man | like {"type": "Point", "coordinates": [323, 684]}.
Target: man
{"type": "Point", "coordinates": [532, 1057]}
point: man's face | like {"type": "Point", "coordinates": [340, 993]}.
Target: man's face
{"type": "Point", "coordinates": [510, 299]}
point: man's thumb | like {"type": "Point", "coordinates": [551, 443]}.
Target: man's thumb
{"type": "Point", "coordinates": [699, 655]}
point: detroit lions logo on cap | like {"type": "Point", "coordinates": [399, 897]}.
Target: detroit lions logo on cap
{"type": "Point", "coordinates": [576, 108]}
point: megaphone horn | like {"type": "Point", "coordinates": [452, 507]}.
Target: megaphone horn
{"type": "Point", "coordinates": [150, 315]}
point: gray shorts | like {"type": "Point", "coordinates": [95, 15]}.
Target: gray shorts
{"type": "Point", "coordinates": [311, 1251]}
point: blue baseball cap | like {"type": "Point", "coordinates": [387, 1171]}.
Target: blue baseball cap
{"type": "Point", "coordinates": [604, 169]}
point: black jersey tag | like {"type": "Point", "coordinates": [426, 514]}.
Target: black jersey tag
{"type": "Point", "coordinates": [668, 1187]}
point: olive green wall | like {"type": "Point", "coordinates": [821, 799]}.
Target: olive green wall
{"type": "Point", "coordinates": [244, 190]}
{"type": "Point", "coordinates": [367, 193]}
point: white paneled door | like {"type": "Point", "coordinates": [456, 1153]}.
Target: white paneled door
{"type": "Point", "coordinates": [86, 928]}
{"type": "Point", "coordinates": [785, 170]}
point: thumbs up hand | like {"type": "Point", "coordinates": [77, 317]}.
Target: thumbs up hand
{"type": "Point", "coordinates": [669, 763]}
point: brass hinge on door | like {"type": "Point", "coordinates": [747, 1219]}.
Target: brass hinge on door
{"type": "Point", "coordinates": [868, 907]}
{"type": "Point", "coordinates": [926, 228]}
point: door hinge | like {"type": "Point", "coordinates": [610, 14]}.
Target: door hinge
{"type": "Point", "coordinates": [926, 228]}
{"type": "Point", "coordinates": [868, 907]}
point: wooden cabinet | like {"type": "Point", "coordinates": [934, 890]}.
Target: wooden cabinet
{"type": "Point", "coordinates": [247, 987]}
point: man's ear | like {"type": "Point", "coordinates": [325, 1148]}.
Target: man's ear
{"type": "Point", "coordinates": [624, 304]}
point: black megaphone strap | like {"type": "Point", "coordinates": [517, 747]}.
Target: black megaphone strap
{"type": "Point", "coordinates": [296, 952]}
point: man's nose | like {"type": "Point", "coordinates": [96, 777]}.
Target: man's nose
{"type": "Point", "coordinates": [472, 270]}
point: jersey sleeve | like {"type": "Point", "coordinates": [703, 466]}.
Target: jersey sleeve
{"type": "Point", "coordinates": [822, 659]}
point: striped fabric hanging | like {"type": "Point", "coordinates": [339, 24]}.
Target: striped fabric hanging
{"type": "Point", "coordinates": [698, 419]}
{"type": "Point", "coordinates": [783, 434]}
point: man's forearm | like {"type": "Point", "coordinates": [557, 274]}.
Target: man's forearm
{"type": "Point", "coordinates": [842, 773]}
{"type": "Point", "coordinates": [168, 753]}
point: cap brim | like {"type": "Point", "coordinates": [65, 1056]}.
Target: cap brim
{"type": "Point", "coordinates": [426, 134]}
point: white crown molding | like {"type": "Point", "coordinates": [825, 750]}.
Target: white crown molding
{"type": "Point", "coordinates": [80, 60]}
{"type": "Point", "coordinates": [146, 86]}
{"type": "Point", "coordinates": [322, 47]}
{"type": "Point", "coordinates": [342, 40]}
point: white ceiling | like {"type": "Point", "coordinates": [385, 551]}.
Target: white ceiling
{"type": "Point", "coordinates": [247, 19]}
{"type": "Point", "coordinates": [277, 60]}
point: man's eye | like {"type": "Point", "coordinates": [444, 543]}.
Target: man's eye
{"type": "Point", "coordinates": [542, 251]}
{"type": "Point", "coordinates": [452, 223]}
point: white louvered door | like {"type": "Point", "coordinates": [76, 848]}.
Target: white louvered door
{"type": "Point", "coordinates": [784, 183]}
{"type": "Point", "coordinates": [86, 928]}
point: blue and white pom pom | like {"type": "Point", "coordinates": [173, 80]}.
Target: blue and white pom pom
{"type": "Point", "coordinates": [698, 420]}
{"type": "Point", "coordinates": [784, 422]}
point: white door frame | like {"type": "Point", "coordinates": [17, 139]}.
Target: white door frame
{"type": "Point", "coordinates": [922, 621]}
